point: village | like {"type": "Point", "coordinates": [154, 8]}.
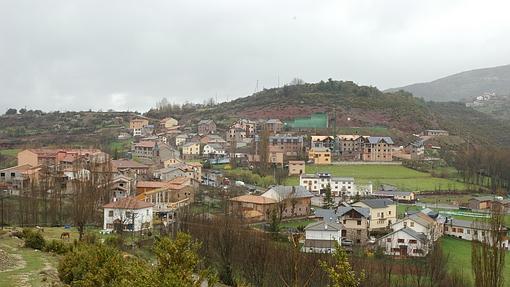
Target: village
{"type": "Point", "coordinates": [171, 169]}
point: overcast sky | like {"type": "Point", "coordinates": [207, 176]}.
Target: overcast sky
{"type": "Point", "coordinates": [80, 55]}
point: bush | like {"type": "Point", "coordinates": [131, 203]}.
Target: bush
{"type": "Point", "coordinates": [35, 240]}
{"type": "Point", "coordinates": [57, 247]}
{"type": "Point", "coordinates": [115, 241]}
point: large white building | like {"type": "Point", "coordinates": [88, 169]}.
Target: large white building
{"type": "Point", "coordinates": [129, 213]}
{"type": "Point", "coordinates": [340, 186]}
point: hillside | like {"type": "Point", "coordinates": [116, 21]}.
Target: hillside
{"type": "Point", "coordinates": [360, 106]}
{"type": "Point", "coordinates": [463, 86]}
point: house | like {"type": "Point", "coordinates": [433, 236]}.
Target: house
{"type": "Point", "coordinates": [241, 129]}
{"type": "Point", "coordinates": [323, 142]}
{"type": "Point", "coordinates": [213, 150]}
{"type": "Point", "coordinates": [174, 194]}
{"type": "Point", "coordinates": [122, 186]}
{"type": "Point", "coordinates": [181, 139]}
{"type": "Point", "coordinates": [189, 170]}
{"type": "Point", "coordinates": [282, 148]}
{"type": "Point", "coordinates": [296, 167]}
{"type": "Point", "coordinates": [274, 126]}
{"type": "Point", "coordinates": [393, 193]}
{"type": "Point", "coordinates": [169, 123]}
{"type": "Point", "coordinates": [383, 212]}
{"type": "Point", "coordinates": [127, 214]}
{"type": "Point", "coordinates": [19, 177]}
{"type": "Point", "coordinates": [288, 201]}
{"type": "Point", "coordinates": [349, 146]}
{"type": "Point", "coordinates": [126, 166]}
{"type": "Point", "coordinates": [320, 155]}
{"type": "Point", "coordinates": [145, 149]}
{"type": "Point", "coordinates": [206, 127]}
{"type": "Point", "coordinates": [421, 223]}
{"type": "Point", "coordinates": [165, 152]}
{"type": "Point", "coordinates": [376, 148]}
{"type": "Point", "coordinates": [488, 201]}
{"type": "Point", "coordinates": [416, 150]}
{"type": "Point", "coordinates": [65, 158]}
{"type": "Point", "coordinates": [404, 242]}
{"type": "Point", "coordinates": [191, 150]}
{"type": "Point", "coordinates": [214, 139]}
{"type": "Point", "coordinates": [435, 133]}
{"type": "Point", "coordinates": [322, 237]}
{"type": "Point", "coordinates": [356, 222]}
{"type": "Point", "coordinates": [137, 123]}
{"type": "Point", "coordinates": [472, 230]}
{"type": "Point", "coordinates": [212, 178]}
{"type": "Point", "coordinates": [340, 186]}
{"type": "Point", "coordinates": [168, 173]}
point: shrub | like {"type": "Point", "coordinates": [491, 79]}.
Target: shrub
{"type": "Point", "coordinates": [57, 247]}
{"type": "Point", "coordinates": [34, 240]}
{"type": "Point", "coordinates": [115, 241]}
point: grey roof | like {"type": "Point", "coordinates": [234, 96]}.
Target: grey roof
{"type": "Point", "coordinates": [375, 140]}
{"type": "Point", "coordinates": [326, 214]}
{"type": "Point", "coordinates": [205, 122]}
{"type": "Point", "coordinates": [387, 187]}
{"type": "Point", "coordinates": [320, 149]}
{"type": "Point", "coordinates": [378, 202]}
{"type": "Point", "coordinates": [280, 192]}
{"type": "Point", "coordinates": [418, 235]}
{"type": "Point", "coordinates": [365, 212]}
{"type": "Point", "coordinates": [484, 198]}
{"type": "Point", "coordinates": [324, 225]}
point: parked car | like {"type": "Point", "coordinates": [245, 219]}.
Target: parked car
{"type": "Point", "coordinates": [346, 242]}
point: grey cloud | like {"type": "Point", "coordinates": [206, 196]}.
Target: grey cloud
{"type": "Point", "coordinates": [76, 55]}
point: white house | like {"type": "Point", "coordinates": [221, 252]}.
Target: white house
{"type": "Point", "coordinates": [470, 230]}
{"type": "Point", "coordinates": [421, 223]}
{"type": "Point", "coordinates": [404, 242]}
{"type": "Point", "coordinates": [129, 213]}
{"type": "Point", "coordinates": [213, 149]}
{"type": "Point", "coordinates": [339, 185]}
{"type": "Point", "coordinates": [320, 237]}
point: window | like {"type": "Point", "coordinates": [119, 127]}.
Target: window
{"type": "Point", "coordinates": [359, 222]}
{"type": "Point", "coordinates": [400, 240]}
{"type": "Point", "coordinates": [412, 224]}
{"type": "Point", "coordinates": [358, 232]}
{"type": "Point", "coordinates": [110, 213]}
{"type": "Point", "coordinates": [128, 214]}
{"type": "Point", "coordinates": [412, 241]}
{"type": "Point", "coordinates": [388, 239]}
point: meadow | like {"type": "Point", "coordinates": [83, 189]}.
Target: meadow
{"type": "Point", "coordinates": [459, 258]}
{"type": "Point", "coordinates": [402, 177]}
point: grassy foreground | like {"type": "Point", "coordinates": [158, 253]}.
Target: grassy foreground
{"type": "Point", "coordinates": [459, 252]}
{"type": "Point", "coordinates": [400, 176]}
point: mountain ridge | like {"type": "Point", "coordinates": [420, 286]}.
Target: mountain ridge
{"type": "Point", "coordinates": [463, 86]}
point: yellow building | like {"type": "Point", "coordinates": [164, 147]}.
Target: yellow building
{"type": "Point", "coordinates": [320, 155]}
{"type": "Point", "coordinates": [169, 123]}
{"type": "Point", "coordinates": [296, 167]}
{"type": "Point", "coordinates": [191, 149]}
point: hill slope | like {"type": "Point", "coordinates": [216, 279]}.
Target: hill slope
{"type": "Point", "coordinates": [463, 86]}
{"type": "Point", "coordinates": [359, 106]}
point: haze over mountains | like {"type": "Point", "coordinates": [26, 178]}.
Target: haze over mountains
{"type": "Point", "coordinates": [464, 86]}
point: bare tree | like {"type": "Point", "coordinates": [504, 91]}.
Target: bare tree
{"type": "Point", "coordinates": [488, 253]}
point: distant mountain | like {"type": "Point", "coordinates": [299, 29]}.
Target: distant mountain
{"type": "Point", "coordinates": [463, 86]}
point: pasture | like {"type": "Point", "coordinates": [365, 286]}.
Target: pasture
{"type": "Point", "coordinates": [402, 177]}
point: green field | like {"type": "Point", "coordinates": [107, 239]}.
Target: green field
{"type": "Point", "coordinates": [402, 177]}
{"type": "Point", "coordinates": [10, 152]}
{"type": "Point", "coordinates": [459, 252]}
